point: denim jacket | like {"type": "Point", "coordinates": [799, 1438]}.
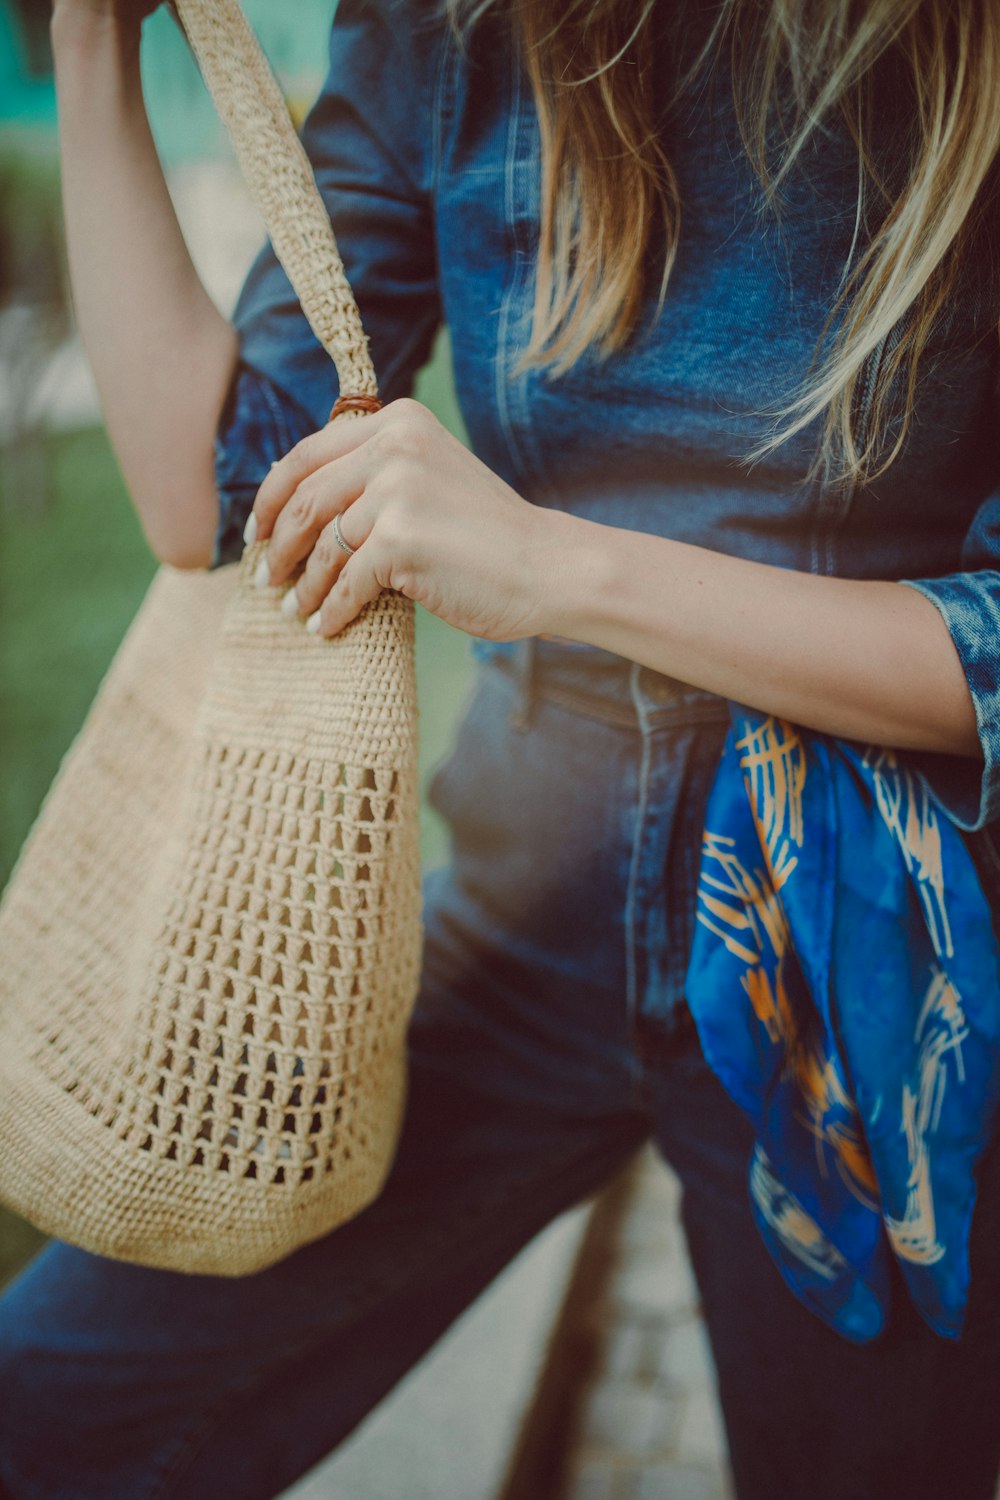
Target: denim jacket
{"type": "Point", "coordinates": [429, 160]}
{"type": "Point", "coordinates": [428, 156]}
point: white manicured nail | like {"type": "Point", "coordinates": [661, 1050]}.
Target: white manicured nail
{"type": "Point", "coordinates": [262, 577]}
{"type": "Point", "coordinates": [290, 603]}
{"type": "Point", "coordinates": [250, 529]}
{"type": "Point", "coordinates": [312, 624]}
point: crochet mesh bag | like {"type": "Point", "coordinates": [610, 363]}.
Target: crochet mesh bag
{"type": "Point", "coordinates": [211, 940]}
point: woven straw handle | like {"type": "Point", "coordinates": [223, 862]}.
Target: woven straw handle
{"type": "Point", "coordinates": [280, 180]}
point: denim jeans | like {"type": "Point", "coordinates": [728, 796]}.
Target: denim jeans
{"type": "Point", "coordinates": [542, 1055]}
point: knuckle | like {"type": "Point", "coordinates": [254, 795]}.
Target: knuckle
{"type": "Point", "coordinates": [395, 476]}
{"type": "Point", "coordinates": [408, 429]}
{"type": "Point", "coordinates": [392, 530]}
{"type": "Point", "coordinates": [405, 407]}
{"type": "Point", "coordinates": [390, 441]}
{"type": "Point", "coordinates": [326, 551]}
{"type": "Point", "coordinates": [305, 502]}
{"type": "Point", "coordinates": [306, 454]}
{"type": "Point", "coordinates": [299, 508]}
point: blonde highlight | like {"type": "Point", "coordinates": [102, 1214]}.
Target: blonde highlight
{"type": "Point", "coordinates": [610, 208]}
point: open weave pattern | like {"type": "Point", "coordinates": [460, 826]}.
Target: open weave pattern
{"type": "Point", "coordinates": [203, 1001]}
{"type": "Point", "coordinates": [211, 941]}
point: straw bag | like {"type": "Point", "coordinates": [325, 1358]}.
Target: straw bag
{"type": "Point", "coordinates": [211, 941]}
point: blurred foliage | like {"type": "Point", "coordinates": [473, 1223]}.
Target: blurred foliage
{"type": "Point", "coordinates": [32, 257]}
{"type": "Point", "coordinates": [71, 578]}
{"type": "Point", "coordinates": [33, 20]}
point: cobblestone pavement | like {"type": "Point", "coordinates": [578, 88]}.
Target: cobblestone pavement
{"type": "Point", "coordinates": [650, 1427]}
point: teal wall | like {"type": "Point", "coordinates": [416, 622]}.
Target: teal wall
{"type": "Point", "coordinates": [25, 100]}
{"type": "Point", "coordinates": [294, 35]}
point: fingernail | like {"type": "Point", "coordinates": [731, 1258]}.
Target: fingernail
{"type": "Point", "coordinates": [290, 603]}
{"type": "Point", "coordinates": [312, 624]}
{"type": "Point", "coordinates": [250, 529]}
{"type": "Point", "coordinates": [262, 577]}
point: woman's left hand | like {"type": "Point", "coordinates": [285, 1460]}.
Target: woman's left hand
{"type": "Point", "coordinates": [425, 517]}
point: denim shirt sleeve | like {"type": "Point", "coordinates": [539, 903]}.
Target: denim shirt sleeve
{"type": "Point", "coordinates": [969, 602]}
{"type": "Point", "coordinates": [371, 139]}
{"type": "Point", "coordinates": [258, 424]}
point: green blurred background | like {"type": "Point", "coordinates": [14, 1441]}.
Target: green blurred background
{"type": "Point", "coordinates": [74, 564]}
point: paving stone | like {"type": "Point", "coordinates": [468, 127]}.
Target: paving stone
{"type": "Point", "coordinates": [653, 1227]}
{"type": "Point", "coordinates": [673, 1481]}
{"type": "Point", "coordinates": [702, 1435]}
{"type": "Point", "coordinates": [651, 1429]}
{"type": "Point", "coordinates": [655, 1284]}
{"type": "Point", "coordinates": [625, 1350]}
{"type": "Point", "coordinates": [596, 1478]}
{"type": "Point", "coordinates": [686, 1357]}
{"type": "Point", "coordinates": [658, 1183]}
{"type": "Point", "coordinates": [630, 1419]}
{"type": "Point", "coordinates": [651, 1359]}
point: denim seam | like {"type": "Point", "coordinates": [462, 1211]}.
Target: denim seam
{"type": "Point", "coordinates": [441, 107]}
{"type": "Point", "coordinates": [685, 912]}
{"type": "Point", "coordinates": [500, 380]}
{"type": "Point", "coordinates": [681, 716]}
{"type": "Point", "coordinates": [523, 209]}
{"type": "Point", "coordinates": [275, 408]}
{"type": "Point", "coordinates": [631, 896]}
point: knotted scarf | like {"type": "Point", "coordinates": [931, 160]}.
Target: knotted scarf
{"type": "Point", "coordinates": [845, 983]}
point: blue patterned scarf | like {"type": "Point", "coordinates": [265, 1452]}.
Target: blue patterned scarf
{"type": "Point", "coordinates": [845, 983]}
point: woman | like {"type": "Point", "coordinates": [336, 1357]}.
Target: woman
{"type": "Point", "coordinates": [651, 277]}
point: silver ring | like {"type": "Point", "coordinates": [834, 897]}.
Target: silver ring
{"type": "Point", "coordinates": [340, 540]}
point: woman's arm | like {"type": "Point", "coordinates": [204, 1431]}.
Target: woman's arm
{"type": "Point", "coordinates": [867, 661]}
{"type": "Point", "coordinates": [162, 354]}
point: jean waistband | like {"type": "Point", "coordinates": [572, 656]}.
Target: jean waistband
{"type": "Point", "coordinates": [596, 683]}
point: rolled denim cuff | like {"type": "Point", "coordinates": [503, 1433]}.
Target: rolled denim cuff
{"type": "Point", "coordinates": [259, 423]}
{"type": "Point", "coordinates": [969, 603]}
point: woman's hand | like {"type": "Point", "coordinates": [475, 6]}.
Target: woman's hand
{"type": "Point", "coordinates": [426, 518]}
{"type": "Point", "coordinates": [869, 660]}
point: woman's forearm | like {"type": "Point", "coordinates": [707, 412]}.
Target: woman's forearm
{"type": "Point", "coordinates": [870, 661]}
{"type": "Point", "coordinates": [418, 512]}
{"type": "Point", "coordinates": [161, 352]}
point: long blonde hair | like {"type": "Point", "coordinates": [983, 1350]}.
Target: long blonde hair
{"type": "Point", "coordinates": [609, 198]}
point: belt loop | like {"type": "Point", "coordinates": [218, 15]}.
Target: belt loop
{"type": "Point", "coordinates": [524, 680]}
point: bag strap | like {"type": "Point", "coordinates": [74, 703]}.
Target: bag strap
{"type": "Point", "coordinates": [281, 182]}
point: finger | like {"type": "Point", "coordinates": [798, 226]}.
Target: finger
{"type": "Point", "coordinates": [323, 494]}
{"type": "Point", "coordinates": [335, 440]}
{"type": "Point", "coordinates": [356, 586]}
{"type": "Point", "coordinates": [328, 558]}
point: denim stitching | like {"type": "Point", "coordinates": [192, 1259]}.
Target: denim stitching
{"type": "Point", "coordinates": [500, 382]}
{"type": "Point", "coordinates": [668, 716]}
{"type": "Point", "coordinates": [442, 106]}
{"type": "Point", "coordinates": [285, 443]}
{"type": "Point", "coordinates": [631, 895]}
